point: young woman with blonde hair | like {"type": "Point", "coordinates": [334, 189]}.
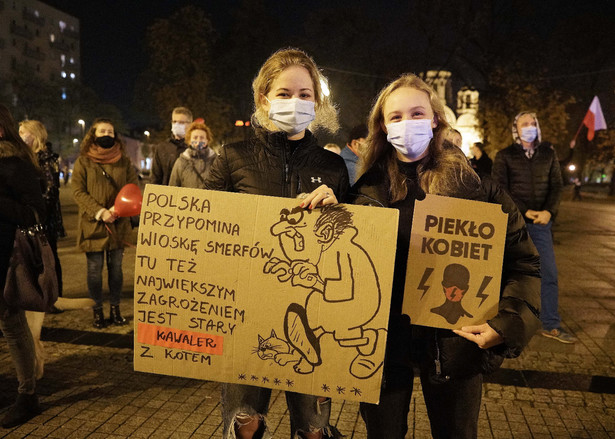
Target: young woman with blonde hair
{"type": "Point", "coordinates": [282, 159]}
{"type": "Point", "coordinates": [406, 157]}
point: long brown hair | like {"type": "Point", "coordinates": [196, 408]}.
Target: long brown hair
{"type": "Point", "coordinates": [12, 138]}
{"type": "Point", "coordinates": [443, 171]}
{"type": "Point", "coordinates": [90, 136]}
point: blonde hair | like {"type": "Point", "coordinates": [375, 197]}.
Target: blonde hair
{"type": "Point", "coordinates": [198, 126]}
{"type": "Point", "coordinates": [326, 113]}
{"type": "Point", "coordinates": [38, 131]}
{"type": "Point", "coordinates": [444, 171]}
{"type": "Point", "coordinates": [90, 136]}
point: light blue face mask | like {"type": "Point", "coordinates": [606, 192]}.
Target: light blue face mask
{"type": "Point", "coordinates": [528, 134]}
{"type": "Point", "coordinates": [291, 115]}
{"type": "Point", "coordinates": [410, 137]}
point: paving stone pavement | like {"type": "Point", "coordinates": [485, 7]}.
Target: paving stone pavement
{"type": "Point", "coordinates": [552, 390]}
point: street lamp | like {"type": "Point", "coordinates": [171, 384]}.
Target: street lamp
{"type": "Point", "coordinates": [146, 134]}
{"type": "Point", "coordinates": [82, 123]}
{"type": "Point", "coordinates": [571, 168]}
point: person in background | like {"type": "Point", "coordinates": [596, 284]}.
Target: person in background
{"type": "Point", "coordinates": [283, 159]}
{"type": "Point", "coordinates": [20, 197]}
{"type": "Point", "coordinates": [454, 137]}
{"type": "Point", "coordinates": [333, 147]}
{"type": "Point", "coordinates": [407, 156]}
{"type": "Point", "coordinates": [166, 153]}
{"type": "Point", "coordinates": [34, 134]}
{"type": "Point", "coordinates": [480, 161]}
{"type": "Point", "coordinates": [352, 151]}
{"type": "Point", "coordinates": [529, 171]}
{"type": "Point", "coordinates": [192, 167]}
{"type": "Point", "coordinates": [99, 173]}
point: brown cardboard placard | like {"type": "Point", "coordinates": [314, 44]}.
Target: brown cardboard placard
{"type": "Point", "coordinates": [254, 290]}
{"type": "Point", "coordinates": [454, 262]}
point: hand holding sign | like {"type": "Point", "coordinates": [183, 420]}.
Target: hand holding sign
{"type": "Point", "coordinates": [128, 201]}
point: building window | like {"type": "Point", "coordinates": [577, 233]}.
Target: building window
{"type": "Point", "coordinates": [52, 37]}
{"type": "Point", "coordinates": [72, 76]}
{"type": "Point", "coordinates": [36, 14]}
{"type": "Point", "coordinates": [72, 60]}
{"type": "Point", "coordinates": [62, 25]}
{"type": "Point", "coordinates": [64, 94]}
{"type": "Point", "coordinates": [63, 74]}
{"type": "Point", "coordinates": [63, 59]}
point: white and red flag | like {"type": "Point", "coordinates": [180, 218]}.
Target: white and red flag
{"type": "Point", "coordinates": [594, 119]}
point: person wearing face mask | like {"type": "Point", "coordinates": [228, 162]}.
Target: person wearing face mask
{"type": "Point", "coordinates": [166, 153]}
{"type": "Point", "coordinates": [282, 159]}
{"type": "Point", "coordinates": [193, 165]}
{"type": "Point", "coordinates": [99, 173]}
{"type": "Point", "coordinates": [529, 170]}
{"type": "Point", "coordinates": [352, 151]}
{"type": "Point", "coordinates": [407, 156]}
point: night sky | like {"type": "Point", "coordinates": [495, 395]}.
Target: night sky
{"type": "Point", "coordinates": [113, 34]}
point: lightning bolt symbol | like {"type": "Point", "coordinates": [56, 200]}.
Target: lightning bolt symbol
{"type": "Point", "coordinates": [480, 294]}
{"type": "Point", "coordinates": [424, 279]}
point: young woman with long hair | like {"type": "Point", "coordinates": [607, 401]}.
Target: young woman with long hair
{"type": "Point", "coordinates": [99, 173]}
{"type": "Point", "coordinates": [407, 157]}
{"type": "Point", "coordinates": [282, 159]}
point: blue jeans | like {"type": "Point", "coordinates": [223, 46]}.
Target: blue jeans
{"type": "Point", "coordinates": [306, 413]}
{"type": "Point", "coordinates": [549, 292]}
{"type": "Point", "coordinates": [15, 329]}
{"type": "Point", "coordinates": [115, 279]}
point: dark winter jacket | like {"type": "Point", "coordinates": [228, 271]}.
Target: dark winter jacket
{"type": "Point", "coordinates": [482, 166]}
{"type": "Point", "coordinates": [270, 164]}
{"type": "Point", "coordinates": [165, 154]}
{"type": "Point", "coordinates": [48, 162]}
{"type": "Point", "coordinates": [517, 319]}
{"type": "Point", "coordinates": [20, 187]}
{"type": "Point", "coordinates": [534, 183]}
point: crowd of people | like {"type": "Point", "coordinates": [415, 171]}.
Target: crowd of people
{"type": "Point", "coordinates": [406, 150]}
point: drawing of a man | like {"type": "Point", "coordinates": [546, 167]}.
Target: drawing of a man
{"type": "Point", "coordinates": [322, 255]}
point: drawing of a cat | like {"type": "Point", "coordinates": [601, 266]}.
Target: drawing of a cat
{"type": "Point", "coordinates": [276, 349]}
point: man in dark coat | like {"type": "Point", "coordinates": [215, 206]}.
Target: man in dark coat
{"type": "Point", "coordinates": [528, 169]}
{"type": "Point", "coordinates": [166, 153]}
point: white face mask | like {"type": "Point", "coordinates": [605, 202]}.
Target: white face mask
{"type": "Point", "coordinates": [291, 115]}
{"type": "Point", "coordinates": [178, 129]}
{"type": "Point", "coordinates": [410, 137]}
{"type": "Point", "coordinates": [529, 134]}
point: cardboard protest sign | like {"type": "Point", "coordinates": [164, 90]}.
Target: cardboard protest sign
{"type": "Point", "coordinates": [255, 290]}
{"type": "Point", "coordinates": [454, 262]}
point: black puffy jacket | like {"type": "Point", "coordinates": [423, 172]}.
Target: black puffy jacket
{"type": "Point", "coordinates": [534, 183]}
{"type": "Point", "coordinates": [270, 164]}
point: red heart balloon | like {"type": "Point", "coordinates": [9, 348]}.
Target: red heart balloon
{"type": "Point", "coordinates": [128, 201]}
